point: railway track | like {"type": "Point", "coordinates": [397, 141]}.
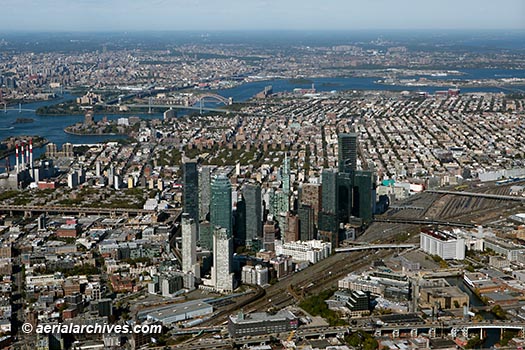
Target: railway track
{"type": "Point", "coordinates": [291, 292]}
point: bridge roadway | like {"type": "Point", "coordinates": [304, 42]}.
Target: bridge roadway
{"type": "Point", "coordinates": [196, 108]}
{"type": "Point", "coordinates": [204, 108]}
{"type": "Point", "coordinates": [375, 246]}
{"type": "Point", "coordinates": [19, 109]}
{"type": "Point", "coordinates": [424, 222]}
{"type": "Point", "coordinates": [454, 328]}
{"type": "Point", "coordinates": [405, 207]}
{"type": "Point", "coordinates": [81, 210]}
{"type": "Point", "coordinates": [480, 195]}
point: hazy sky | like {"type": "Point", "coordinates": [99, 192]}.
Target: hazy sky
{"type": "Point", "coordinates": [99, 15]}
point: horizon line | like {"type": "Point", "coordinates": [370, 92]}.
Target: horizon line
{"type": "Point", "coordinates": [123, 31]}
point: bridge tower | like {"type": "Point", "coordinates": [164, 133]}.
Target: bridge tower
{"type": "Point", "coordinates": [149, 104]}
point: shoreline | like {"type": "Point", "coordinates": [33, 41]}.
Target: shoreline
{"type": "Point", "coordinates": [82, 114]}
{"type": "Point", "coordinates": [92, 134]}
{"type": "Point", "coordinates": [10, 152]}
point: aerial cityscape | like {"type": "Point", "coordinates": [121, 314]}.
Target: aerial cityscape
{"type": "Point", "coordinates": [292, 179]}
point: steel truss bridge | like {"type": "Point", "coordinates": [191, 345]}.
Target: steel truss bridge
{"type": "Point", "coordinates": [196, 103]}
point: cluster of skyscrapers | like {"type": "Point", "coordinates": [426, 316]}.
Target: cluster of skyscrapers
{"type": "Point", "coordinates": [256, 217]}
{"type": "Point", "coordinates": [348, 194]}
{"type": "Point", "coordinates": [208, 218]}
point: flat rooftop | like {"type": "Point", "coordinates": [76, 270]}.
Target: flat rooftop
{"type": "Point", "coordinates": [262, 317]}
{"type": "Point", "coordinates": [177, 309]}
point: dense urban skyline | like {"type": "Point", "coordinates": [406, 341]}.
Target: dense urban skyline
{"type": "Point", "coordinates": [137, 15]}
{"type": "Point", "coordinates": [288, 174]}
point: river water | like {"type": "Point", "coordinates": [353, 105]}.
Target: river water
{"type": "Point", "coordinates": [492, 336]}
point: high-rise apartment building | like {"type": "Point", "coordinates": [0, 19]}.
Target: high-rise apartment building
{"type": "Point", "coordinates": [347, 153]}
{"type": "Point", "coordinates": [191, 188]}
{"type": "Point", "coordinates": [222, 270]}
{"type": "Point", "coordinates": [204, 192]}
{"type": "Point", "coordinates": [253, 209]}
{"type": "Point", "coordinates": [189, 246]}
{"type": "Point", "coordinates": [221, 203]}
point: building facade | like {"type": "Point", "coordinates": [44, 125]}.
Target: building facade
{"type": "Point", "coordinates": [189, 246]}
{"type": "Point", "coordinates": [191, 189]}
{"type": "Point", "coordinates": [442, 244]}
{"type": "Point", "coordinates": [204, 192]}
{"type": "Point", "coordinates": [253, 207]}
{"type": "Point", "coordinates": [221, 203]}
{"type": "Point", "coordinates": [261, 323]}
{"type": "Point", "coordinates": [347, 152]}
{"type": "Point", "coordinates": [222, 270]}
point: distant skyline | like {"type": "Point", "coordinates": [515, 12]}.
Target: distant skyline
{"type": "Point", "coordinates": [140, 15]}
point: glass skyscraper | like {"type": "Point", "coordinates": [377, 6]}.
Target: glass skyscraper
{"type": "Point", "coordinates": [221, 203]}
{"type": "Point", "coordinates": [191, 189]}
{"type": "Point", "coordinates": [329, 191]}
{"type": "Point", "coordinates": [253, 207]}
{"type": "Point", "coordinates": [204, 192]}
{"type": "Point", "coordinates": [349, 193]}
{"type": "Point", "coordinates": [364, 195]}
{"type": "Point", "coordinates": [306, 223]}
{"type": "Point", "coordinates": [286, 175]}
{"type": "Point", "coordinates": [347, 153]}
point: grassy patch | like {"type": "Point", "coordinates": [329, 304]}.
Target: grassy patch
{"type": "Point", "coordinates": [315, 305]}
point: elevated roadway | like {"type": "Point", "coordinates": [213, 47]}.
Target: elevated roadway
{"type": "Point", "coordinates": [424, 222]}
{"type": "Point", "coordinates": [204, 108]}
{"type": "Point", "coordinates": [195, 108]}
{"type": "Point", "coordinates": [403, 207]}
{"type": "Point", "coordinates": [30, 209]}
{"type": "Point", "coordinates": [480, 195]}
{"type": "Point", "coordinates": [375, 246]}
{"type": "Point", "coordinates": [453, 327]}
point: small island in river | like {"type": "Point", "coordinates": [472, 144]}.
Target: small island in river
{"type": "Point", "coordinates": [23, 121]}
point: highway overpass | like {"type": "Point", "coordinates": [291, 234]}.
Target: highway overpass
{"type": "Point", "coordinates": [480, 195]}
{"type": "Point", "coordinates": [29, 210]}
{"type": "Point", "coordinates": [375, 246]}
{"type": "Point", "coordinates": [424, 222]}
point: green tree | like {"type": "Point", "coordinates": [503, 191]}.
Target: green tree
{"type": "Point", "coordinates": [474, 342]}
{"type": "Point", "coordinates": [498, 311]}
{"type": "Point", "coordinates": [362, 340]}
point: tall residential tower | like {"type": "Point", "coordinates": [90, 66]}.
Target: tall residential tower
{"type": "Point", "coordinates": [253, 208]}
{"type": "Point", "coordinates": [347, 154]}
{"type": "Point", "coordinates": [221, 204]}
{"type": "Point", "coordinates": [189, 246]}
{"type": "Point", "coordinates": [191, 188]}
